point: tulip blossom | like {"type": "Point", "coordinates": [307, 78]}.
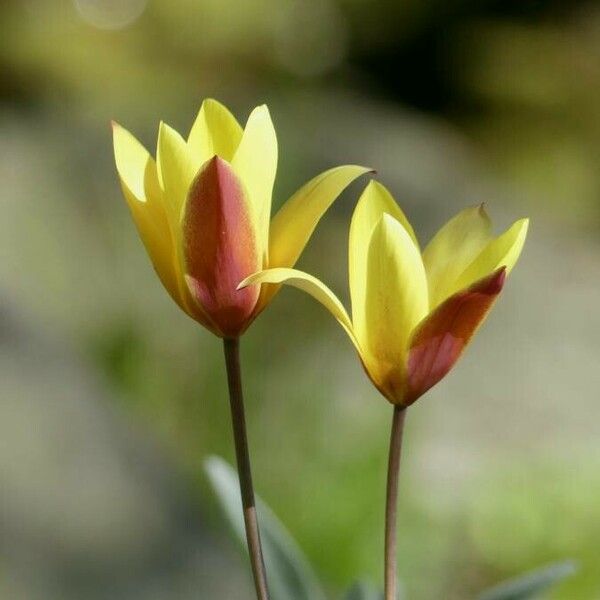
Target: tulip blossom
{"type": "Point", "coordinates": [202, 210]}
{"type": "Point", "coordinates": [413, 312]}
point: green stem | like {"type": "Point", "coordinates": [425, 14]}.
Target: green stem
{"type": "Point", "coordinates": [391, 506]}
{"type": "Point", "coordinates": [238, 419]}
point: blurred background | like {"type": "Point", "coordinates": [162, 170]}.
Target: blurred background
{"type": "Point", "coordinates": [111, 398]}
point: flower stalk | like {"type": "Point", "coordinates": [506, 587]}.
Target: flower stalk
{"type": "Point", "coordinates": [391, 507]}
{"type": "Point", "coordinates": [231, 348]}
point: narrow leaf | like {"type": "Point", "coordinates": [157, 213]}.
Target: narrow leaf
{"type": "Point", "coordinates": [289, 574]}
{"type": "Point", "coordinates": [531, 584]}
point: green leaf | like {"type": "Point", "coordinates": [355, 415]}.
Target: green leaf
{"type": "Point", "coordinates": [363, 591]}
{"type": "Point", "coordinates": [289, 574]}
{"type": "Point", "coordinates": [532, 584]}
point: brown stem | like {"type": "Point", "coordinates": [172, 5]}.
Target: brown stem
{"type": "Point", "coordinates": [238, 419]}
{"type": "Point", "coordinates": [391, 506]}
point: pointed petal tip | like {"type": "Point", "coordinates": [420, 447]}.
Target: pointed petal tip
{"type": "Point", "coordinates": [262, 110]}
{"type": "Point", "coordinates": [364, 170]}
{"type": "Point", "coordinates": [522, 225]}
{"type": "Point", "coordinates": [376, 194]}
{"type": "Point", "coordinates": [492, 285]}
{"type": "Point", "coordinates": [481, 209]}
{"type": "Point", "coordinates": [163, 127]}
{"type": "Point", "coordinates": [215, 161]}
{"type": "Point", "coordinates": [275, 275]}
{"type": "Point", "coordinates": [218, 168]}
{"type": "Point", "coordinates": [117, 131]}
{"type": "Point", "coordinates": [386, 220]}
{"type": "Point", "coordinates": [208, 102]}
{"type": "Point", "coordinates": [246, 282]}
{"type": "Point", "coordinates": [501, 275]}
{"type": "Point", "coordinates": [374, 184]}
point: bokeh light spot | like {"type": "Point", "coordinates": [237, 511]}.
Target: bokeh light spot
{"type": "Point", "coordinates": [110, 14]}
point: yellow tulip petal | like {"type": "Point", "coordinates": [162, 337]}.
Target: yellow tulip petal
{"type": "Point", "coordinates": [503, 251]}
{"type": "Point", "coordinates": [175, 172]}
{"type": "Point", "coordinates": [139, 182]}
{"type": "Point", "coordinates": [395, 302]}
{"type": "Point", "coordinates": [214, 132]}
{"type": "Point", "coordinates": [374, 202]}
{"type": "Point", "coordinates": [310, 285]}
{"type": "Point", "coordinates": [132, 160]}
{"type": "Point", "coordinates": [296, 220]}
{"type": "Point", "coordinates": [453, 249]}
{"type": "Point", "coordinates": [255, 163]}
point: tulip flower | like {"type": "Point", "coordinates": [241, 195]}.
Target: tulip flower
{"type": "Point", "coordinates": [413, 312]}
{"type": "Point", "coordinates": [202, 210]}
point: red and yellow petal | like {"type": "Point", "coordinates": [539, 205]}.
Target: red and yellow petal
{"type": "Point", "coordinates": [453, 248]}
{"type": "Point", "coordinates": [220, 247]}
{"type": "Point", "coordinates": [440, 339]}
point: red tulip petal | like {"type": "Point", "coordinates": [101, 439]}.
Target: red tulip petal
{"type": "Point", "coordinates": [442, 336]}
{"type": "Point", "coordinates": [220, 247]}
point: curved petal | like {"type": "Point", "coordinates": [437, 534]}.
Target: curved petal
{"type": "Point", "coordinates": [373, 203]}
{"type": "Point", "coordinates": [440, 339]}
{"type": "Point", "coordinates": [453, 248]}
{"type": "Point", "coordinates": [139, 182]}
{"type": "Point", "coordinates": [135, 166]}
{"type": "Point", "coordinates": [309, 284]}
{"type": "Point", "coordinates": [296, 220]}
{"type": "Point", "coordinates": [395, 301]}
{"type": "Point", "coordinates": [214, 132]}
{"type": "Point", "coordinates": [219, 247]}
{"type": "Point", "coordinates": [175, 172]}
{"type": "Point", "coordinates": [255, 162]}
{"type": "Point", "coordinates": [503, 251]}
